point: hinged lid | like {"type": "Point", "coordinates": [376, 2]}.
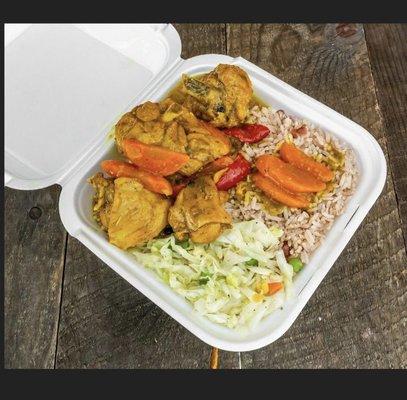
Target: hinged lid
{"type": "Point", "coordinates": [65, 83]}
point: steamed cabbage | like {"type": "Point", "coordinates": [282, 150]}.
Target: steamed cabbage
{"type": "Point", "coordinates": [226, 280]}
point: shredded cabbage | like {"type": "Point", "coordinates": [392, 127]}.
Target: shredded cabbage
{"type": "Point", "coordinates": [226, 280]}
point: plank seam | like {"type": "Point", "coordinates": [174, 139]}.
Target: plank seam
{"type": "Point", "coordinates": [225, 32]}
{"type": "Point", "coordinates": [60, 299]}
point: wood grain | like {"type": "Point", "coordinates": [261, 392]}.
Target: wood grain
{"type": "Point", "coordinates": [198, 39]}
{"type": "Point", "coordinates": [107, 323]}
{"type": "Point", "coordinates": [368, 282]}
{"type": "Point", "coordinates": [387, 45]}
{"type": "Point", "coordinates": [34, 255]}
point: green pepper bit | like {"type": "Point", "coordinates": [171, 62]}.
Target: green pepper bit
{"type": "Point", "coordinates": [252, 263]}
{"type": "Point", "coordinates": [204, 278]}
{"type": "Point", "coordinates": [184, 244]}
{"type": "Point", "coordinates": [296, 264]}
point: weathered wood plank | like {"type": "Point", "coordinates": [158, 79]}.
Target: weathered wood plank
{"type": "Point", "coordinates": [198, 39]}
{"type": "Point", "coordinates": [368, 282]}
{"type": "Point", "coordinates": [105, 322]}
{"type": "Point", "coordinates": [34, 253]}
{"type": "Point", "coordinates": [387, 45]}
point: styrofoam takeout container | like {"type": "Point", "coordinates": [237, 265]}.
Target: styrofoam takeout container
{"type": "Point", "coordinates": [67, 85]}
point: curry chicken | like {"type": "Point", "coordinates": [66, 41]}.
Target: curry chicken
{"type": "Point", "coordinates": [221, 97]}
{"type": "Point", "coordinates": [198, 212]}
{"type": "Point", "coordinates": [128, 212]}
{"type": "Point", "coordinates": [177, 160]}
{"type": "Point", "coordinates": [174, 127]}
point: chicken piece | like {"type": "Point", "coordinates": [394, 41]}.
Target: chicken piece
{"type": "Point", "coordinates": [137, 215]}
{"type": "Point", "coordinates": [148, 111]}
{"type": "Point", "coordinates": [198, 212]}
{"type": "Point", "coordinates": [170, 125]}
{"type": "Point", "coordinates": [221, 97]}
{"type": "Point", "coordinates": [175, 137]}
{"type": "Point", "coordinates": [202, 149]}
{"type": "Point", "coordinates": [103, 199]}
{"type": "Point", "coordinates": [203, 145]}
{"type": "Point", "coordinates": [142, 123]}
{"type": "Point", "coordinates": [130, 214]}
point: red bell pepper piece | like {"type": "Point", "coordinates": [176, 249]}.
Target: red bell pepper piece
{"type": "Point", "coordinates": [248, 133]}
{"type": "Point", "coordinates": [212, 167]}
{"type": "Point", "coordinates": [177, 188]}
{"type": "Point", "coordinates": [236, 172]}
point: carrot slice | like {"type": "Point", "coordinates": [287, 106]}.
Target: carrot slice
{"type": "Point", "coordinates": [288, 176]}
{"type": "Point", "coordinates": [298, 158]}
{"type": "Point", "coordinates": [215, 132]}
{"type": "Point", "coordinates": [278, 193]}
{"type": "Point", "coordinates": [274, 287]}
{"type": "Point", "coordinates": [157, 159]}
{"type": "Point", "coordinates": [149, 180]}
{"type": "Point", "coordinates": [217, 165]}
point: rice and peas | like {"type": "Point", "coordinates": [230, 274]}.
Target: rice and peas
{"type": "Point", "coordinates": [228, 280]}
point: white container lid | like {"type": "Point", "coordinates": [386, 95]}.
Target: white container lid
{"type": "Point", "coordinates": [65, 83]}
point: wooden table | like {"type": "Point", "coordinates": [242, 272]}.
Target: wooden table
{"type": "Point", "coordinates": [64, 308]}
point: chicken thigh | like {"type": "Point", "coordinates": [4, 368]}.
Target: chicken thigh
{"type": "Point", "coordinates": [198, 212]}
{"type": "Point", "coordinates": [131, 214]}
{"type": "Point", "coordinates": [171, 125]}
{"type": "Point", "coordinates": [103, 199]}
{"type": "Point", "coordinates": [221, 97]}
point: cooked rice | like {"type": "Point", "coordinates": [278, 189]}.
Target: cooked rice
{"type": "Point", "coordinates": [304, 230]}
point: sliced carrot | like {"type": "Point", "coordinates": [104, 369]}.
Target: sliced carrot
{"type": "Point", "coordinates": [217, 165]}
{"type": "Point", "coordinates": [155, 183]}
{"type": "Point", "coordinates": [215, 132]}
{"type": "Point", "coordinates": [149, 180]}
{"type": "Point", "coordinates": [288, 176]}
{"type": "Point", "coordinates": [274, 287]}
{"type": "Point", "coordinates": [157, 159]}
{"type": "Point", "coordinates": [278, 193]}
{"type": "Point", "coordinates": [298, 158]}
{"type": "Point", "coordinates": [118, 169]}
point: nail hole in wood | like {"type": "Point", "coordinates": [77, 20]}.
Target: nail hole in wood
{"type": "Point", "coordinates": [35, 213]}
